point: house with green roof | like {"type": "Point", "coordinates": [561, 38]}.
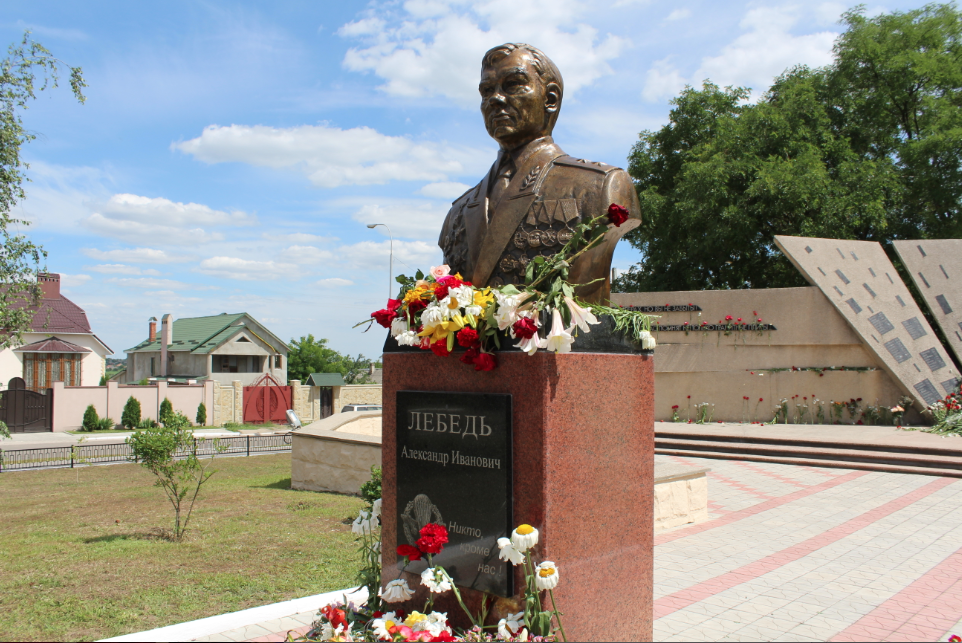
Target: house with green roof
{"type": "Point", "coordinates": [222, 348]}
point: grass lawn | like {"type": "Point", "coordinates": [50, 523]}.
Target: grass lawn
{"type": "Point", "coordinates": [82, 554]}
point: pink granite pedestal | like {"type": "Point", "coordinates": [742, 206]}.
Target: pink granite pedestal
{"type": "Point", "coordinates": [583, 453]}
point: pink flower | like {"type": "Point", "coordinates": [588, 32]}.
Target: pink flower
{"type": "Point", "coordinates": [440, 271]}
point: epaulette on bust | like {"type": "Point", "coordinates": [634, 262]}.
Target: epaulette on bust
{"type": "Point", "coordinates": [466, 192]}
{"type": "Point", "coordinates": [571, 161]}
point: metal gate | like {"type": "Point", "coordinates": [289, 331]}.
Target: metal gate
{"type": "Point", "coordinates": [327, 401]}
{"type": "Point", "coordinates": [266, 401]}
{"type": "Point", "coordinates": [26, 411]}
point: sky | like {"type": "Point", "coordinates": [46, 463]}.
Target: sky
{"type": "Point", "coordinates": [230, 155]}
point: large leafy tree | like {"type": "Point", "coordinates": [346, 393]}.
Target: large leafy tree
{"type": "Point", "coordinates": [866, 148]}
{"type": "Point", "coordinates": [308, 355]}
{"type": "Point", "coordinates": [28, 68]}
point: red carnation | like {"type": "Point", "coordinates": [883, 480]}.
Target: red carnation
{"type": "Point", "coordinates": [384, 317]}
{"type": "Point", "coordinates": [433, 538]}
{"type": "Point", "coordinates": [675, 406]}
{"type": "Point", "coordinates": [393, 304]}
{"type": "Point", "coordinates": [467, 337]}
{"type": "Point", "coordinates": [525, 328]}
{"type": "Point", "coordinates": [440, 348]}
{"type": "Point", "coordinates": [409, 551]}
{"type": "Point", "coordinates": [617, 214]}
{"type": "Point", "coordinates": [485, 362]}
{"type": "Point", "coordinates": [440, 292]}
{"type": "Point", "coordinates": [470, 355]}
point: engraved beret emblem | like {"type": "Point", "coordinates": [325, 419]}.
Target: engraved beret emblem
{"type": "Point", "coordinates": [521, 239]}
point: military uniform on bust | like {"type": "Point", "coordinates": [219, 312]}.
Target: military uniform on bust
{"type": "Point", "coordinates": [527, 206]}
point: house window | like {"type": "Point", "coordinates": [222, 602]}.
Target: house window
{"type": "Point", "coordinates": [277, 361]}
{"type": "Point", "coordinates": [41, 370]}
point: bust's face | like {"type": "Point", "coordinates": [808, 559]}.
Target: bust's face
{"type": "Point", "coordinates": [514, 101]}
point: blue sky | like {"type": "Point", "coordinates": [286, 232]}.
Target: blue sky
{"type": "Point", "coordinates": [230, 154]}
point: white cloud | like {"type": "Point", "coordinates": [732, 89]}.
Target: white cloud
{"type": "Point", "coordinates": [662, 81]}
{"type": "Point", "coordinates": [306, 254]}
{"type": "Point", "coordinates": [121, 269]}
{"type": "Point", "coordinates": [434, 48]}
{"type": "Point", "coordinates": [678, 14]}
{"type": "Point", "coordinates": [415, 255]}
{"type": "Point", "coordinates": [72, 281]}
{"type": "Point", "coordinates": [411, 219]}
{"type": "Point", "coordinates": [753, 59]}
{"type": "Point", "coordinates": [298, 237]}
{"type": "Point", "coordinates": [149, 282]}
{"type": "Point", "coordinates": [334, 282]}
{"type": "Point", "coordinates": [449, 190]}
{"type": "Point", "coordinates": [133, 255]}
{"type": "Point", "coordinates": [247, 269]}
{"type": "Point", "coordinates": [58, 196]}
{"type": "Point", "coordinates": [330, 156]}
{"type": "Point", "coordinates": [135, 218]}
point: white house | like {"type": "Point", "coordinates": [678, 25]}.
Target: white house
{"type": "Point", "coordinates": [59, 347]}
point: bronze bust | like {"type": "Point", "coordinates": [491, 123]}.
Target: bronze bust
{"type": "Point", "coordinates": [534, 193]}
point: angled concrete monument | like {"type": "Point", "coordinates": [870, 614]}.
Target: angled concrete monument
{"type": "Point", "coordinates": [935, 266]}
{"type": "Point", "coordinates": [860, 281]}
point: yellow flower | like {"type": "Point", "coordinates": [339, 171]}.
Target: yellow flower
{"type": "Point", "coordinates": [414, 618]}
{"type": "Point", "coordinates": [482, 298]}
{"type": "Point", "coordinates": [414, 294]}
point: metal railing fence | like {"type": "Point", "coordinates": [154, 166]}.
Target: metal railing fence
{"type": "Point", "coordinates": [79, 455]}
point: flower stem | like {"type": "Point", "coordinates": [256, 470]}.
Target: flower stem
{"type": "Point", "coordinates": [557, 615]}
{"type": "Point", "coordinates": [457, 595]}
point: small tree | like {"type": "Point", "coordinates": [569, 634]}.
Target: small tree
{"type": "Point", "coordinates": [201, 415]}
{"type": "Point", "coordinates": [91, 420]}
{"type": "Point", "coordinates": [170, 453]}
{"type": "Point", "coordinates": [166, 410]}
{"type": "Point", "coordinates": [131, 416]}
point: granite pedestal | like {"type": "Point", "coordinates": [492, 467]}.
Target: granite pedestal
{"type": "Point", "coordinates": [582, 452]}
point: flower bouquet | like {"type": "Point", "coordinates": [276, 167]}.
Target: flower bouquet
{"type": "Point", "coordinates": [345, 621]}
{"type": "Point", "coordinates": [438, 310]}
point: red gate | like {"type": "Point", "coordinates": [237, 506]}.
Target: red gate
{"type": "Point", "coordinates": [266, 401]}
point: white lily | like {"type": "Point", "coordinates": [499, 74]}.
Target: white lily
{"type": "Point", "coordinates": [435, 581]}
{"type": "Point", "coordinates": [559, 340]}
{"type": "Point", "coordinates": [580, 317]}
{"type": "Point", "coordinates": [363, 524]}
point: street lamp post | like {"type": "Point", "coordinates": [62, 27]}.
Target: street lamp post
{"type": "Point", "coordinates": [390, 273]}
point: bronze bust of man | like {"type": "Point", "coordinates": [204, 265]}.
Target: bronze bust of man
{"type": "Point", "coordinates": [534, 193]}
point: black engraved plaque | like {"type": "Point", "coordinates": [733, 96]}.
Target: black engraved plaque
{"type": "Point", "coordinates": [454, 468]}
{"type": "Point", "coordinates": [898, 350]}
{"type": "Point", "coordinates": [914, 327]}
{"type": "Point", "coordinates": [881, 323]}
{"type": "Point", "coordinates": [928, 392]}
{"type": "Point", "coordinates": [932, 359]}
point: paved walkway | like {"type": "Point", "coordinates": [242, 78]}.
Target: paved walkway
{"type": "Point", "coordinates": [791, 553]}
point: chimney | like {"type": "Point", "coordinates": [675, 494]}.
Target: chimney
{"type": "Point", "coordinates": [49, 285]}
{"type": "Point", "coordinates": [372, 368]}
{"type": "Point", "coordinates": [166, 337]}
{"type": "Point", "coordinates": [152, 332]}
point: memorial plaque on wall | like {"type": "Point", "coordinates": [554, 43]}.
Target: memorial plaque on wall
{"type": "Point", "coordinates": [454, 469]}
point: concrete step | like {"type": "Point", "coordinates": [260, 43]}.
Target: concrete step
{"type": "Point", "coordinates": [905, 459]}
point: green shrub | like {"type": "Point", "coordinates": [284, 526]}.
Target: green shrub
{"type": "Point", "coordinates": [91, 420]}
{"type": "Point", "coordinates": [168, 452]}
{"type": "Point", "coordinates": [147, 423]}
{"type": "Point", "coordinates": [371, 490]}
{"type": "Point", "coordinates": [106, 424]}
{"type": "Point", "coordinates": [103, 380]}
{"type": "Point", "coordinates": [143, 382]}
{"type": "Point", "coordinates": [166, 409]}
{"type": "Point", "coordinates": [201, 415]}
{"type": "Point", "coordinates": [131, 416]}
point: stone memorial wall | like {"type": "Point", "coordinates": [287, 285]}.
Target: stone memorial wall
{"type": "Point", "coordinates": [858, 279]}
{"type": "Point", "coordinates": [935, 266]}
